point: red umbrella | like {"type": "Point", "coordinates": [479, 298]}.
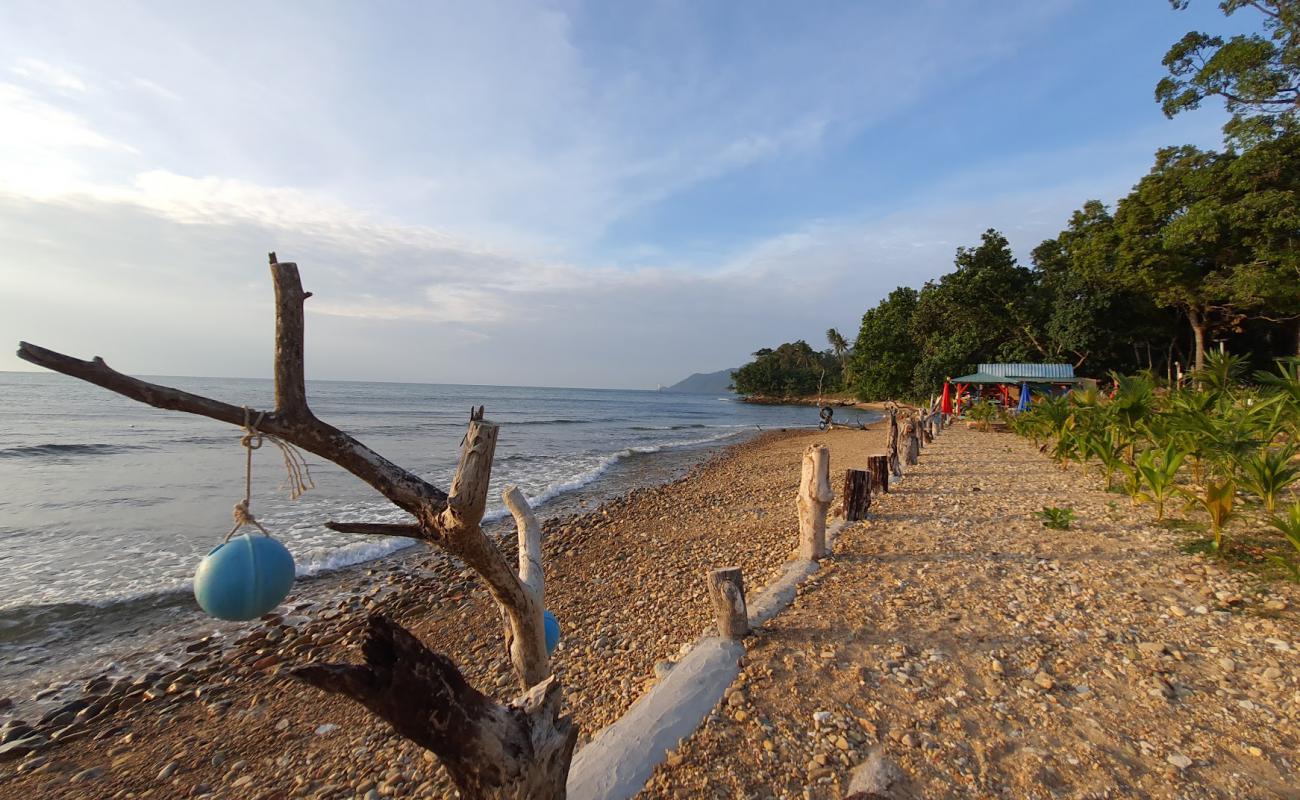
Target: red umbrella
{"type": "Point", "coordinates": [945, 405]}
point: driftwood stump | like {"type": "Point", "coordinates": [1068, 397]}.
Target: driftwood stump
{"type": "Point", "coordinates": [857, 494]}
{"type": "Point", "coordinates": [894, 445]}
{"type": "Point", "coordinates": [878, 466]}
{"type": "Point", "coordinates": [727, 591]}
{"type": "Point", "coordinates": [814, 498]}
{"type": "Point", "coordinates": [911, 443]}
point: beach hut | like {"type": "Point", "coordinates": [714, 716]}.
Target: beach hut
{"type": "Point", "coordinates": [1012, 385]}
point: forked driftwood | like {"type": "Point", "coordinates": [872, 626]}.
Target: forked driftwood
{"type": "Point", "coordinates": [518, 750]}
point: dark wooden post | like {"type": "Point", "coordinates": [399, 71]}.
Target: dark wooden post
{"type": "Point", "coordinates": [878, 466]}
{"type": "Point", "coordinates": [727, 591]}
{"type": "Point", "coordinates": [857, 494]}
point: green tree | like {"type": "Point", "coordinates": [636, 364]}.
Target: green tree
{"type": "Point", "coordinates": [1072, 269]}
{"type": "Point", "coordinates": [1256, 75]}
{"type": "Point", "coordinates": [791, 370]}
{"type": "Point", "coordinates": [884, 355]}
{"type": "Point", "coordinates": [989, 309]}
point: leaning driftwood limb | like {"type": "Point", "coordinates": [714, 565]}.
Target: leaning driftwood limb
{"type": "Point", "coordinates": [520, 750]}
{"type": "Point", "coordinates": [526, 632]}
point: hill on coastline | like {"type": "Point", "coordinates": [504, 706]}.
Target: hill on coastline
{"type": "Point", "coordinates": [705, 383]}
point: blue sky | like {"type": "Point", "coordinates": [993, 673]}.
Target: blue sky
{"type": "Point", "coordinates": [603, 194]}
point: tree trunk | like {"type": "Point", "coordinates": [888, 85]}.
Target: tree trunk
{"type": "Point", "coordinates": [857, 494]}
{"type": "Point", "coordinates": [1197, 320]}
{"type": "Point", "coordinates": [727, 591]}
{"type": "Point", "coordinates": [814, 498]}
{"type": "Point", "coordinates": [878, 466]}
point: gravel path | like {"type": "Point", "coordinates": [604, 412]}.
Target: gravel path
{"type": "Point", "coordinates": [988, 656]}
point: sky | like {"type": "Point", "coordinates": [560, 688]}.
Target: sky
{"type": "Point", "coordinates": [610, 195]}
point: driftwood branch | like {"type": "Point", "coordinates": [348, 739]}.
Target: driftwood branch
{"type": "Point", "coordinates": [521, 750]}
{"type": "Point", "coordinates": [490, 750]}
{"type": "Point", "coordinates": [409, 530]}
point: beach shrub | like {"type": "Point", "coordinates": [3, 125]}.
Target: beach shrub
{"type": "Point", "coordinates": [1058, 519]}
{"type": "Point", "coordinates": [1158, 472]}
{"type": "Point", "coordinates": [984, 414]}
{"type": "Point", "coordinates": [1215, 498]}
{"type": "Point", "coordinates": [1268, 472]}
{"type": "Point", "coordinates": [1290, 528]}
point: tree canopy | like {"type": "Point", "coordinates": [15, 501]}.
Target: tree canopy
{"type": "Point", "coordinates": [791, 370]}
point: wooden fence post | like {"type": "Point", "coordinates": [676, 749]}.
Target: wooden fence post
{"type": "Point", "coordinates": [727, 591]}
{"type": "Point", "coordinates": [911, 443]}
{"type": "Point", "coordinates": [815, 497]}
{"type": "Point", "coordinates": [857, 494]}
{"type": "Point", "coordinates": [878, 466]}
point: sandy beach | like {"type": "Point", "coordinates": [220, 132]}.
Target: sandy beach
{"type": "Point", "coordinates": [983, 654]}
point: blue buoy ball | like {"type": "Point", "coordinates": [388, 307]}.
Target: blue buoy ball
{"type": "Point", "coordinates": [244, 578]}
{"type": "Point", "coordinates": [552, 627]}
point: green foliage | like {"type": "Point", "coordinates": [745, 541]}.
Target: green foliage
{"type": "Point", "coordinates": [987, 309]}
{"type": "Point", "coordinates": [1058, 519]}
{"type": "Point", "coordinates": [1290, 528]}
{"type": "Point", "coordinates": [1158, 471]}
{"type": "Point", "coordinates": [1267, 473]}
{"type": "Point", "coordinates": [791, 370]}
{"type": "Point", "coordinates": [1215, 498]}
{"type": "Point", "coordinates": [884, 355]}
{"type": "Point", "coordinates": [1256, 75]}
{"type": "Point", "coordinates": [984, 414]}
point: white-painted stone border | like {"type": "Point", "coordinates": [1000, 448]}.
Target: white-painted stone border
{"type": "Point", "coordinates": [616, 763]}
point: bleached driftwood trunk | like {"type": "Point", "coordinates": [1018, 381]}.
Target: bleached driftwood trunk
{"type": "Point", "coordinates": [727, 591]}
{"type": "Point", "coordinates": [814, 499]}
{"type": "Point", "coordinates": [519, 750]}
{"type": "Point", "coordinates": [911, 442]}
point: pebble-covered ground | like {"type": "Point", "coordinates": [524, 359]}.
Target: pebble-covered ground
{"type": "Point", "coordinates": [984, 655]}
{"type": "Point", "coordinates": [626, 582]}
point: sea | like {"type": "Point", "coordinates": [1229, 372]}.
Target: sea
{"type": "Point", "coordinates": [107, 505]}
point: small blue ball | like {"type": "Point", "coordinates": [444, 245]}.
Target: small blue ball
{"type": "Point", "coordinates": [244, 578]}
{"type": "Point", "coordinates": [552, 627]}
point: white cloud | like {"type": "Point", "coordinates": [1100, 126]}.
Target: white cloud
{"type": "Point", "coordinates": [54, 77]}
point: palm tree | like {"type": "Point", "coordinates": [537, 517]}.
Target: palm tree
{"type": "Point", "coordinates": [840, 346]}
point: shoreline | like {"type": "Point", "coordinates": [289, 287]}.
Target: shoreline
{"type": "Point", "coordinates": [624, 580]}
{"type": "Point", "coordinates": [133, 636]}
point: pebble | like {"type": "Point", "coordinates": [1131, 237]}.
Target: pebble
{"type": "Point", "coordinates": [169, 770]}
{"type": "Point", "coordinates": [1227, 664]}
{"type": "Point", "coordinates": [87, 775]}
{"type": "Point", "coordinates": [1044, 681]}
{"type": "Point", "coordinates": [326, 729]}
{"type": "Point", "coordinates": [822, 717]}
{"type": "Point", "coordinates": [1179, 760]}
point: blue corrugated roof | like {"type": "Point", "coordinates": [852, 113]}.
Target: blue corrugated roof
{"type": "Point", "coordinates": [1039, 371]}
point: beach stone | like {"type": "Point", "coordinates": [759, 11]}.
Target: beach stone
{"type": "Point", "coordinates": [1044, 681]}
{"type": "Point", "coordinates": [875, 777]}
{"type": "Point", "coordinates": [1227, 664]}
{"type": "Point", "coordinates": [88, 775]}
{"type": "Point", "coordinates": [169, 770]}
{"type": "Point", "coordinates": [17, 748]}
{"type": "Point", "coordinates": [6, 703]}
{"type": "Point", "coordinates": [1151, 648]}
{"type": "Point", "coordinates": [1271, 674]}
{"type": "Point", "coordinates": [1179, 760]}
